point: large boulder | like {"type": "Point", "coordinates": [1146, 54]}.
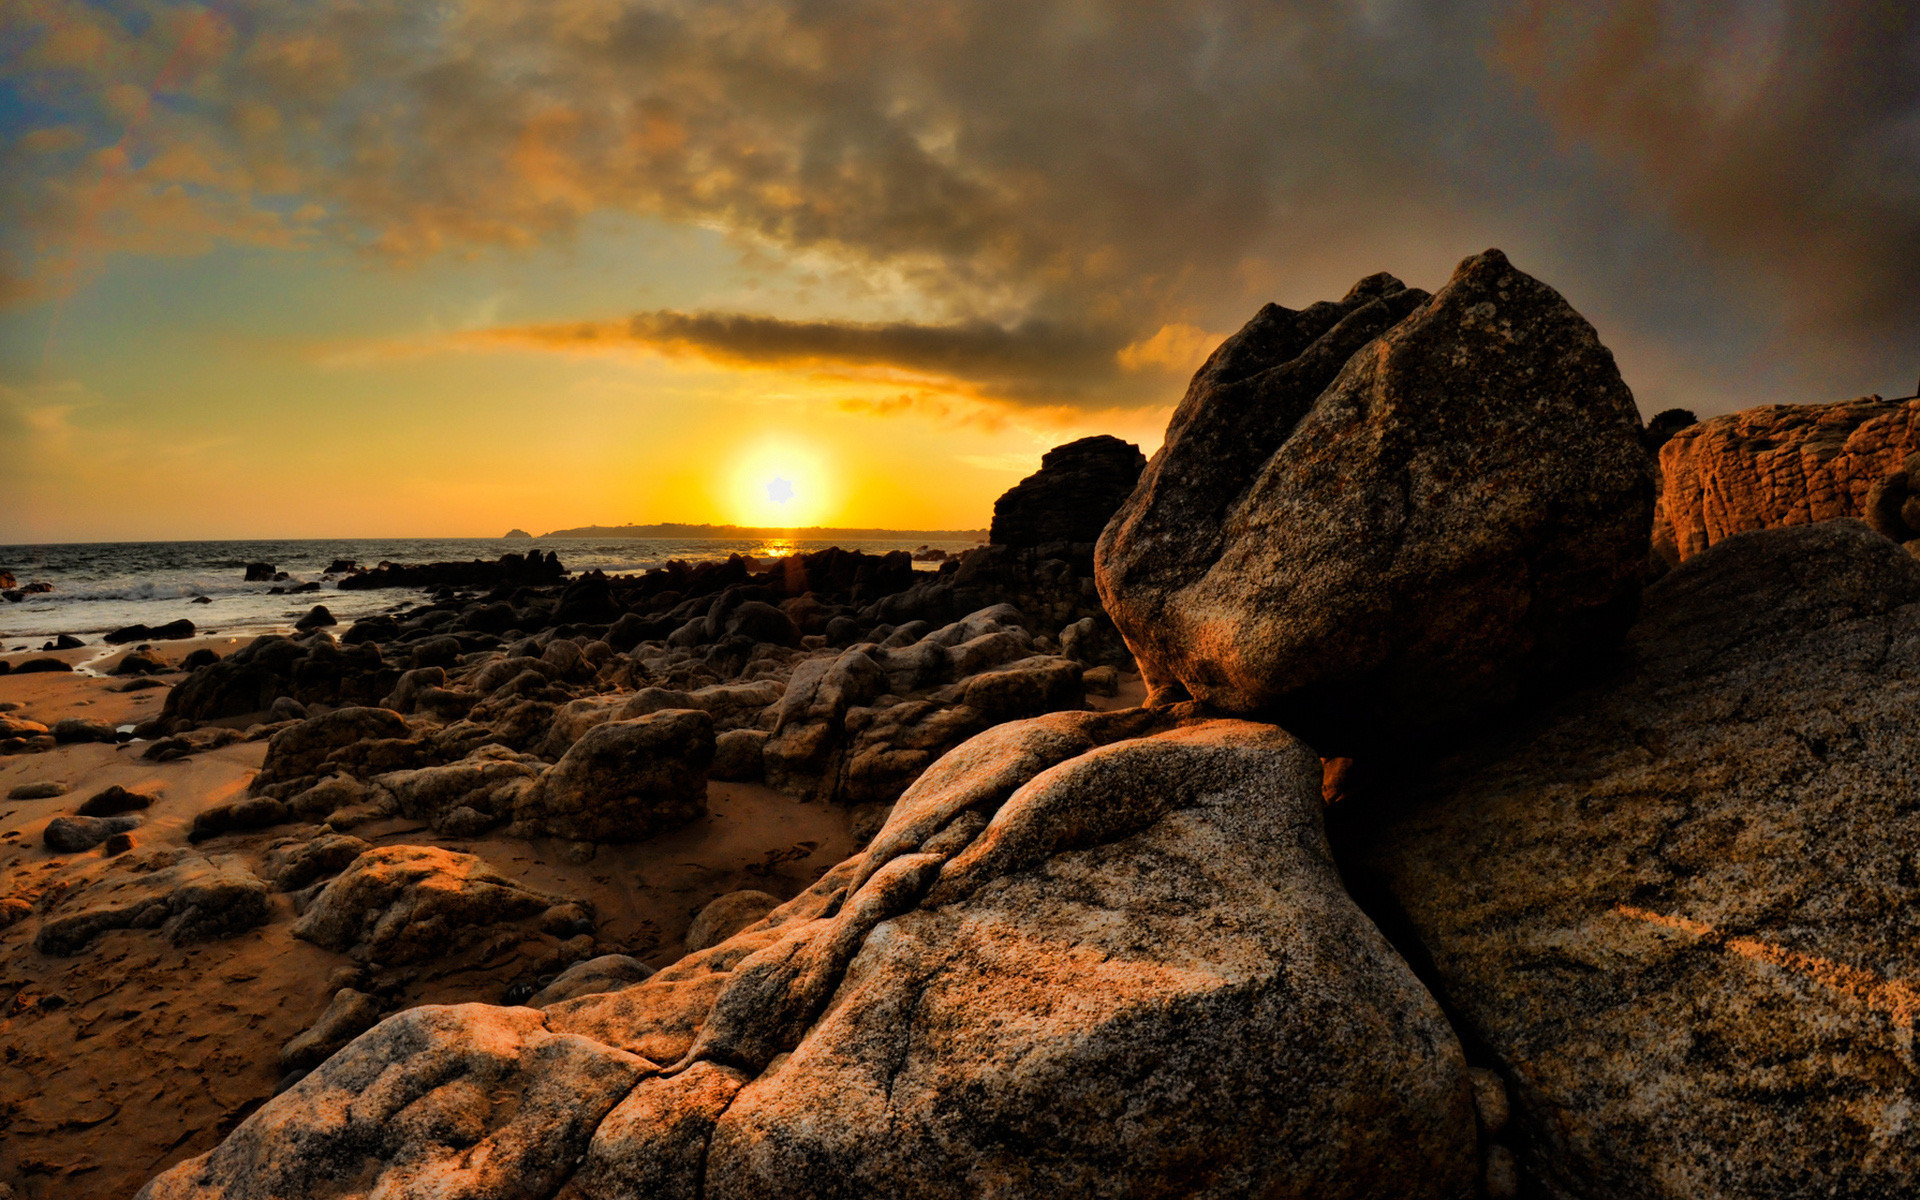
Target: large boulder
{"type": "Point", "coordinates": [1089, 954]}
{"type": "Point", "coordinates": [1387, 515]}
{"type": "Point", "coordinates": [1678, 907]}
{"type": "Point", "coordinates": [1781, 464]}
{"type": "Point", "coordinates": [399, 904]}
{"type": "Point", "coordinates": [1072, 495]}
{"type": "Point", "coordinates": [623, 781]}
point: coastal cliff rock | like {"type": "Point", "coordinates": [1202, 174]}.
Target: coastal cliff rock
{"type": "Point", "coordinates": [1678, 907]}
{"type": "Point", "coordinates": [1389, 514]}
{"type": "Point", "coordinates": [1782, 464]}
{"type": "Point", "coordinates": [1088, 954]}
{"type": "Point", "coordinates": [1072, 496]}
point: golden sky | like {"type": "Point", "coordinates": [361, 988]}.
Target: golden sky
{"type": "Point", "coordinates": [372, 267]}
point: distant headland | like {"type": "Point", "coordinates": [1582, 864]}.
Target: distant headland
{"type": "Point", "coordinates": [757, 533]}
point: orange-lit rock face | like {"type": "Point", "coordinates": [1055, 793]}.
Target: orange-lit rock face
{"type": "Point", "coordinates": [1679, 908]}
{"type": "Point", "coordinates": [1088, 952]}
{"type": "Point", "coordinates": [1784, 464]}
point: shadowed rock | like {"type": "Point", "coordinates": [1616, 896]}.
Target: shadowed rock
{"type": "Point", "coordinates": [1678, 907]}
{"type": "Point", "coordinates": [1071, 496]}
{"type": "Point", "coordinates": [1389, 515]}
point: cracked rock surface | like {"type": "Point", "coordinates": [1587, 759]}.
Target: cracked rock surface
{"type": "Point", "coordinates": [1088, 954]}
{"type": "Point", "coordinates": [1681, 907]}
{"type": "Point", "coordinates": [1780, 464]}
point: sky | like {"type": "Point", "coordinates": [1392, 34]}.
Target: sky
{"type": "Point", "coordinates": [364, 268]}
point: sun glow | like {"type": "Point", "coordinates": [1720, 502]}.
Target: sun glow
{"type": "Point", "coordinates": [781, 485]}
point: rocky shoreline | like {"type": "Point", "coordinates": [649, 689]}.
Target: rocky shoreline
{"type": "Point", "coordinates": [1327, 807]}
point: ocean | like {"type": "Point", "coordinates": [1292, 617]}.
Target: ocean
{"type": "Point", "coordinates": [99, 587]}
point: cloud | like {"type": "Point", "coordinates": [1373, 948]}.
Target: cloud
{"type": "Point", "coordinates": [1036, 362]}
{"type": "Point", "coordinates": [1736, 181]}
{"type": "Point", "coordinates": [1785, 136]}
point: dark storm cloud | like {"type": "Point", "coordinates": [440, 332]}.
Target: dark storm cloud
{"type": "Point", "coordinates": [1037, 362]}
{"type": "Point", "coordinates": [1727, 188]}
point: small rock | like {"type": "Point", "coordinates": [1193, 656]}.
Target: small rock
{"type": "Point", "coordinates": [44, 790]}
{"type": "Point", "coordinates": [71, 835]}
{"type": "Point", "coordinates": [737, 756]}
{"type": "Point", "coordinates": [463, 822]}
{"type": "Point", "coordinates": [727, 916]}
{"type": "Point", "coordinates": [118, 843]}
{"type": "Point", "coordinates": [191, 898]}
{"type": "Point", "coordinates": [140, 662]}
{"type": "Point", "coordinates": [66, 641]}
{"type": "Point", "coordinates": [295, 863]}
{"type": "Point", "coordinates": [286, 708]}
{"type": "Point", "coordinates": [607, 973]}
{"type": "Point", "coordinates": [113, 801]}
{"type": "Point", "coordinates": [257, 812]}
{"type": "Point", "coordinates": [317, 618]}
{"type": "Point", "coordinates": [41, 666]}
{"type": "Point", "coordinates": [68, 730]}
{"type": "Point", "coordinates": [348, 1015]}
{"type": "Point", "coordinates": [259, 572]}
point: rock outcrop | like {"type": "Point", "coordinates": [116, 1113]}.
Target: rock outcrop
{"type": "Point", "coordinates": [406, 903]}
{"type": "Point", "coordinates": [1088, 954]}
{"type": "Point", "coordinates": [1388, 515]}
{"type": "Point", "coordinates": [623, 781]}
{"type": "Point", "coordinates": [1072, 496]}
{"type": "Point", "coordinates": [464, 1101]}
{"type": "Point", "coordinates": [186, 896]}
{"type": "Point", "coordinates": [1677, 908]}
{"type": "Point", "coordinates": [860, 727]}
{"type": "Point", "coordinates": [1782, 464]}
{"type": "Point", "coordinates": [532, 568]}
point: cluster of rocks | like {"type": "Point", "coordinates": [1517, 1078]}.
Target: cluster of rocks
{"type": "Point", "coordinates": [1641, 928]}
{"type": "Point", "coordinates": [14, 593]}
{"type": "Point", "coordinates": [531, 569]}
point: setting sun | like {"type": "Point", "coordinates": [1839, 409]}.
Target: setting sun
{"type": "Point", "coordinates": [780, 484]}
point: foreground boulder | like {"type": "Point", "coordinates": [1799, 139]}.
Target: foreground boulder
{"type": "Point", "coordinates": [1072, 495]}
{"type": "Point", "coordinates": [406, 903]}
{"type": "Point", "coordinates": [1678, 908]}
{"type": "Point", "coordinates": [1089, 954]}
{"type": "Point", "coordinates": [1389, 514]}
{"type": "Point", "coordinates": [1781, 464]}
